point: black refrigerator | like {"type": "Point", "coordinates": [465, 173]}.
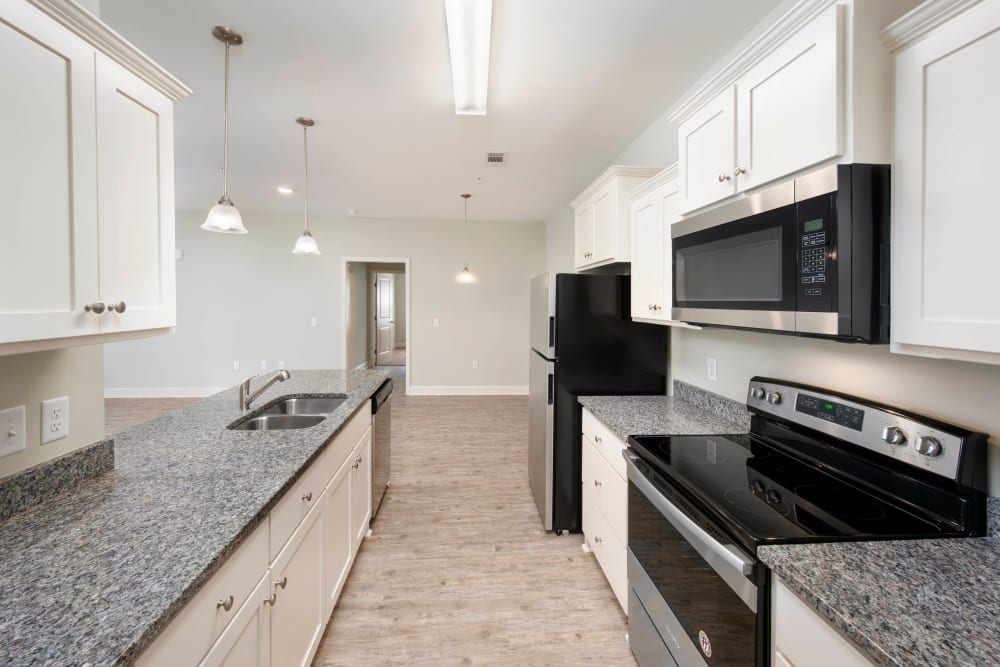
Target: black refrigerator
{"type": "Point", "coordinates": [583, 342]}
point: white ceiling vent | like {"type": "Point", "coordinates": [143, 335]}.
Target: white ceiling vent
{"type": "Point", "coordinates": [496, 158]}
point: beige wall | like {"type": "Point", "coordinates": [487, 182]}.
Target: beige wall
{"type": "Point", "coordinates": [247, 298]}
{"type": "Point", "coordinates": [399, 309]}
{"type": "Point", "coordinates": [357, 314]}
{"type": "Point", "coordinates": [29, 379]}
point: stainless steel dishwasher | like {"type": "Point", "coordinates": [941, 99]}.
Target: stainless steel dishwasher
{"type": "Point", "coordinates": [381, 442]}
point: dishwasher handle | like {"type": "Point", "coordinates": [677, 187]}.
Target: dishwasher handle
{"type": "Point", "coordinates": [382, 395]}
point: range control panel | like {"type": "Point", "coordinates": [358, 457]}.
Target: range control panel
{"type": "Point", "coordinates": [879, 429]}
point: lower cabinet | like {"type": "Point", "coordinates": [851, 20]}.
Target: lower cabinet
{"type": "Point", "coordinates": [605, 503]}
{"type": "Point", "coordinates": [802, 639]}
{"type": "Point", "coordinates": [269, 603]}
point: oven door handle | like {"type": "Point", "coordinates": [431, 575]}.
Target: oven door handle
{"type": "Point", "coordinates": [725, 559]}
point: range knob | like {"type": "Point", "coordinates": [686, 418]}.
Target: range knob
{"type": "Point", "coordinates": [757, 392]}
{"type": "Point", "coordinates": [756, 487]}
{"type": "Point", "coordinates": [927, 445]}
{"type": "Point", "coordinates": [773, 397]}
{"type": "Point", "coordinates": [772, 497]}
{"type": "Point", "coordinates": [893, 435]}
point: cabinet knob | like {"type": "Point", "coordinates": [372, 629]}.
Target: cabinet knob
{"type": "Point", "coordinates": [307, 496]}
{"type": "Point", "coordinates": [281, 583]}
{"type": "Point", "coordinates": [96, 308]}
{"type": "Point", "coordinates": [597, 439]}
{"type": "Point", "coordinates": [739, 171]}
{"type": "Point", "coordinates": [597, 539]}
{"type": "Point", "coordinates": [357, 463]}
{"type": "Point", "coordinates": [271, 600]}
{"type": "Point", "coordinates": [723, 177]}
{"type": "Point", "coordinates": [226, 604]}
{"type": "Point", "coordinates": [117, 307]}
{"type": "Point", "coordinates": [596, 483]}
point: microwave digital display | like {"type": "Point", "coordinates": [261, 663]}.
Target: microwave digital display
{"type": "Point", "coordinates": [812, 225]}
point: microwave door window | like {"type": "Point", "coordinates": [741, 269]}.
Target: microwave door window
{"type": "Point", "coordinates": [743, 269]}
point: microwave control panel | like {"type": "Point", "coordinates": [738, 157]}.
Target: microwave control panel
{"type": "Point", "coordinates": [816, 263]}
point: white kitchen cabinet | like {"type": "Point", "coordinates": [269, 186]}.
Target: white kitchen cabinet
{"type": "Point", "coordinates": [601, 217]}
{"type": "Point", "coordinates": [86, 182]}
{"type": "Point", "coordinates": [246, 641]}
{"type": "Point", "coordinates": [361, 489]}
{"type": "Point", "coordinates": [810, 89]}
{"type": "Point", "coordinates": [338, 535]}
{"type": "Point", "coordinates": [296, 616]}
{"type": "Point", "coordinates": [707, 152]}
{"type": "Point", "coordinates": [605, 502]}
{"type": "Point", "coordinates": [945, 213]}
{"type": "Point", "coordinates": [800, 638]}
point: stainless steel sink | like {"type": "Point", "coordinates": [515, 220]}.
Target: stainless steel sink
{"type": "Point", "coordinates": [304, 406]}
{"type": "Point", "coordinates": [278, 422]}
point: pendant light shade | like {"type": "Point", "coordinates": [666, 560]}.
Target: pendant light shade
{"type": "Point", "coordinates": [306, 244]}
{"type": "Point", "coordinates": [466, 276]}
{"type": "Point", "coordinates": [223, 217]}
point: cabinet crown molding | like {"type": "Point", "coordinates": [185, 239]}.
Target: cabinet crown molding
{"type": "Point", "coordinates": [92, 30]}
{"type": "Point", "coordinates": [644, 188]}
{"type": "Point", "coordinates": [613, 172]}
{"type": "Point", "coordinates": [727, 75]}
{"type": "Point", "coordinates": [913, 26]}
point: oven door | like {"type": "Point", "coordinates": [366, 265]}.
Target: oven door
{"type": "Point", "coordinates": [692, 599]}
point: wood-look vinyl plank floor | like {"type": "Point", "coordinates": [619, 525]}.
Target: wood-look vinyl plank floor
{"type": "Point", "coordinates": [122, 413]}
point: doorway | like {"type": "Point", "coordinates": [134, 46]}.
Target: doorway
{"type": "Point", "coordinates": [375, 305]}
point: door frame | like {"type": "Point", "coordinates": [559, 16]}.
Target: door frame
{"type": "Point", "coordinates": [405, 261]}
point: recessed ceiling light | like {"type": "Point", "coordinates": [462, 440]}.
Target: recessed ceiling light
{"type": "Point", "coordinates": [285, 190]}
{"type": "Point", "coordinates": [469, 25]}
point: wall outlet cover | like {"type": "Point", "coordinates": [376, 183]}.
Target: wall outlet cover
{"type": "Point", "coordinates": [55, 419]}
{"type": "Point", "coordinates": [12, 425]}
{"type": "Point", "coordinates": [712, 369]}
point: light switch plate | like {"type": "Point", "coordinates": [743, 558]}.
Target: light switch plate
{"type": "Point", "coordinates": [712, 370]}
{"type": "Point", "coordinates": [12, 431]}
{"type": "Point", "coordinates": [55, 419]}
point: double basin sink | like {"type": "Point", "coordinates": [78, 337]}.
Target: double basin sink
{"type": "Point", "coordinates": [291, 413]}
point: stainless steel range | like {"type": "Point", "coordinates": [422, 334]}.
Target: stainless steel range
{"type": "Point", "coordinates": [817, 466]}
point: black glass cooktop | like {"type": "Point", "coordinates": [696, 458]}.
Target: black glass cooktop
{"type": "Point", "coordinates": [764, 495]}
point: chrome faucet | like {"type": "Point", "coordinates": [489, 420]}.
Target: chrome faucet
{"type": "Point", "coordinates": [246, 398]}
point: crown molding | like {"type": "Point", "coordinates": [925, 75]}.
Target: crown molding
{"type": "Point", "coordinates": [613, 172]}
{"type": "Point", "coordinates": [652, 184]}
{"type": "Point", "coordinates": [793, 21]}
{"type": "Point", "coordinates": [82, 23]}
{"type": "Point", "coordinates": [913, 26]}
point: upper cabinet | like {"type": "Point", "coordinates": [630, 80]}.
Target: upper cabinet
{"type": "Point", "coordinates": [813, 89]}
{"type": "Point", "coordinates": [944, 222]}
{"type": "Point", "coordinates": [602, 217]}
{"type": "Point", "coordinates": [86, 182]}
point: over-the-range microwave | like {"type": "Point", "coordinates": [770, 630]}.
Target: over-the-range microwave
{"type": "Point", "coordinates": [807, 257]}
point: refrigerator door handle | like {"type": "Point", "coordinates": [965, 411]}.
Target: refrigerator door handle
{"type": "Point", "coordinates": [551, 387]}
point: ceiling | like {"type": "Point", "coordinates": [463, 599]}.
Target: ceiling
{"type": "Point", "coordinates": [572, 82]}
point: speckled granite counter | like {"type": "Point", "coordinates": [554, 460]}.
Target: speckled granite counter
{"type": "Point", "coordinates": [917, 602]}
{"type": "Point", "coordinates": [92, 576]}
{"type": "Point", "coordinates": [698, 411]}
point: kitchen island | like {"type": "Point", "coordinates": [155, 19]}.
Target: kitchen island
{"type": "Point", "coordinates": [95, 575]}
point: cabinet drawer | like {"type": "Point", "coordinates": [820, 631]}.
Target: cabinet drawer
{"type": "Point", "coordinates": [344, 442]}
{"type": "Point", "coordinates": [606, 442]}
{"type": "Point", "coordinates": [188, 637]}
{"type": "Point", "coordinates": [802, 637]}
{"type": "Point", "coordinates": [608, 489]}
{"type": "Point", "coordinates": [295, 504]}
{"type": "Point", "coordinates": [610, 551]}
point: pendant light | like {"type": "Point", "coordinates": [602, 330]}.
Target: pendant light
{"type": "Point", "coordinates": [223, 217]}
{"type": "Point", "coordinates": [465, 276]}
{"type": "Point", "coordinates": [306, 244]}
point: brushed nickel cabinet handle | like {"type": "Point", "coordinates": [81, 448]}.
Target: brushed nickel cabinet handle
{"type": "Point", "coordinates": [281, 583]}
{"type": "Point", "coordinates": [597, 539]}
{"type": "Point", "coordinates": [96, 308]}
{"type": "Point", "coordinates": [597, 439]}
{"type": "Point", "coordinates": [724, 177]}
{"type": "Point", "coordinates": [226, 604]}
{"type": "Point", "coordinates": [739, 171]}
{"type": "Point", "coordinates": [271, 600]}
{"type": "Point", "coordinates": [307, 496]}
{"type": "Point", "coordinates": [117, 307]}
{"type": "Point", "coordinates": [596, 483]}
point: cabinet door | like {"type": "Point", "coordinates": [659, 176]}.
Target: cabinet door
{"type": "Point", "coordinates": [707, 147]}
{"type": "Point", "coordinates": [605, 226]}
{"type": "Point", "coordinates": [296, 615]}
{"type": "Point", "coordinates": [338, 536]}
{"type": "Point", "coordinates": [670, 211]}
{"type": "Point", "coordinates": [790, 106]}
{"type": "Point", "coordinates": [361, 489]}
{"type": "Point", "coordinates": [48, 181]}
{"type": "Point", "coordinates": [945, 211]}
{"type": "Point", "coordinates": [584, 234]}
{"type": "Point", "coordinates": [135, 200]}
{"type": "Point", "coordinates": [245, 643]}
{"type": "Point", "coordinates": [648, 262]}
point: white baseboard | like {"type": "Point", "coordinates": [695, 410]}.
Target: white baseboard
{"type": "Point", "coordinates": [465, 390]}
{"type": "Point", "coordinates": [161, 392]}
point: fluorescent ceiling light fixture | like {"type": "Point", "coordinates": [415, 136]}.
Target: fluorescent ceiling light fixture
{"type": "Point", "coordinates": [469, 27]}
{"type": "Point", "coordinates": [285, 190]}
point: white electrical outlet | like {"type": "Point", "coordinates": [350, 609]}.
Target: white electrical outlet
{"type": "Point", "coordinates": [712, 370]}
{"type": "Point", "coordinates": [475, 363]}
{"type": "Point", "coordinates": [263, 364]}
{"type": "Point", "coordinates": [437, 323]}
{"type": "Point", "coordinates": [12, 431]}
{"type": "Point", "coordinates": [55, 419]}
{"type": "Point", "coordinates": [236, 365]}
{"type": "Point", "coordinates": [281, 365]}
{"type": "Point", "coordinates": [313, 322]}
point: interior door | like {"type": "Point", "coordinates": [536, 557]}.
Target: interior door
{"type": "Point", "coordinates": [385, 326]}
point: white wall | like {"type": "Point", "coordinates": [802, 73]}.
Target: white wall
{"type": "Point", "coordinates": [399, 309]}
{"type": "Point", "coordinates": [29, 379]}
{"type": "Point", "coordinates": [247, 298]}
{"type": "Point", "coordinates": [357, 314]}
{"type": "Point", "coordinates": [559, 239]}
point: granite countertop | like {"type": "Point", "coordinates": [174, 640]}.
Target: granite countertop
{"type": "Point", "coordinates": [94, 575]}
{"type": "Point", "coordinates": [663, 415]}
{"type": "Point", "coordinates": [914, 602]}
